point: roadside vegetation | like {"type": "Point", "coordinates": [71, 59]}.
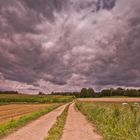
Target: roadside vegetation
{"type": "Point", "coordinates": [19, 98]}
{"type": "Point", "coordinates": [114, 120]}
{"type": "Point", "coordinates": [55, 133]}
{"type": "Point", "coordinates": [12, 125]}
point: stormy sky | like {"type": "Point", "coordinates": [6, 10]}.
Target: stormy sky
{"type": "Point", "coordinates": [64, 45]}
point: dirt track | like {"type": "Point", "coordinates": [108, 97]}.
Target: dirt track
{"type": "Point", "coordinates": [38, 129]}
{"type": "Point", "coordinates": [111, 99]}
{"type": "Point", "coordinates": [78, 128]}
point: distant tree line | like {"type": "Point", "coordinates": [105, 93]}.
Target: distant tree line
{"type": "Point", "coordinates": [9, 92]}
{"type": "Point", "coordinates": [120, 92]}
{"type": "Point", "coordinates": [89, 92]}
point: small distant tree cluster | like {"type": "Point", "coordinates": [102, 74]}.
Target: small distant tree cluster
{"type": "Point", "coordinates": [41, 93]}
{"type": "Point", "coordinates": [87, 92]}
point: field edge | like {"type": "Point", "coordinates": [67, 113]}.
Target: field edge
{"type": "Point", "coordinates": [13, 125]}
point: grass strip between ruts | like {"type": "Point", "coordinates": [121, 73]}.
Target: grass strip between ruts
{"type": "Point", "coordinates": [55, 133]}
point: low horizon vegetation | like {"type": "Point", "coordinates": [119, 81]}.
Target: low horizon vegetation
{"type": "Point", "coordinates": [85, 93]}
{"type": "Point", "coordinates": [114, 120]}
{"type": "Point", "coordinates": [20, 98]}
{"type": "Point", "coordinates": [91, 93]}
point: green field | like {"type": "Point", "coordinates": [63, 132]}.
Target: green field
{"type": "Point", "coordinates": [115, 121]}
{"type": "Point", "coordinates": [18, 98]}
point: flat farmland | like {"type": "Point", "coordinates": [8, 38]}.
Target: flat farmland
{"type": "Point", "coordinates": [117, 99]}
{"type": "Point", "coordinates": [14, 111]}
{"type": "Point", "coordinates": [21, 98]}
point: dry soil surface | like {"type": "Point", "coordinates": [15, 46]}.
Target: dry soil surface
{"type": "Point", "coordinates": [38, 129]}
{"type": "Point", "coordinates": [14, 111]}
{"type": "Point", "coordinates": [78, 128]}
{"type": "Point", "coordinates": [111, 99]}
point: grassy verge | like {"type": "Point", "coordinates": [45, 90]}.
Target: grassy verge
{"type": "Point", "coordinates": [117, 122]}
{"type": "Point", "coordinates": [55, 133]}
{"type": "Point", "coordinates": [12, 125]}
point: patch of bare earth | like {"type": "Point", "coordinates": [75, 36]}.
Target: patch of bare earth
{"type": "Point", "coordinates": [111, 99]}
{"type": "Point", "coordinates": [78, 128]}
{"type": "Point", "coordinates": [14, 111]}
{"type": "Point", "coordinates": [38, 129]}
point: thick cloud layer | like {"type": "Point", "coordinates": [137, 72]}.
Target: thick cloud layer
{"type": "Point", "coordinates": [54, 45]}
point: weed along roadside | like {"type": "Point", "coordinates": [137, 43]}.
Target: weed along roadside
{"type": "Point", "coordinates": [114, 120]}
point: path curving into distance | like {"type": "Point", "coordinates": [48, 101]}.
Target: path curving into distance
{"type": "Point", "coordinates": [78, 128]}
{"type": "Point", "coordinates": [38, 129]}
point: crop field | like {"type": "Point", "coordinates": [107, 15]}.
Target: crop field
{"type": "Point", "coordinates": [19, 98]}
{"type": "Point", "coordinates": [110, 118]}
{"type": "Point", "coordinates": [115, 121]}
{"type": "Point", "coordinates": [111, 99]}
{"type": "Point", "coordinates": [14, 111]}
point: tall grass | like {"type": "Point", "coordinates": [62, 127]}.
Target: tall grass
{"type": "Point", "coordinates": [7, 98]}
{"type": "Point", "coordinates": [12, 125]}
{"type": "Point", "coordinates": [119, 122]}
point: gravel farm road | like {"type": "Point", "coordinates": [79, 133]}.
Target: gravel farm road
{"type": "Point", "coordinates": [78, 128]}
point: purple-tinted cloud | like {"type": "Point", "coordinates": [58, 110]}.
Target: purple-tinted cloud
{"type": "Point", "coordinates": [65, 45]}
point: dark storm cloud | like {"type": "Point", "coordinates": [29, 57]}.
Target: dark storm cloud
{"type": "Point", "coordinates": [69, 44]}
{"type": "Point", "coordinates": [46, 7]}
{"type": "Point", "coordinates": [125, 70]}
{"type": "Point", "coordinates": [105, 4]}
{"type": "Point", "coordinates": [15, 18]}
